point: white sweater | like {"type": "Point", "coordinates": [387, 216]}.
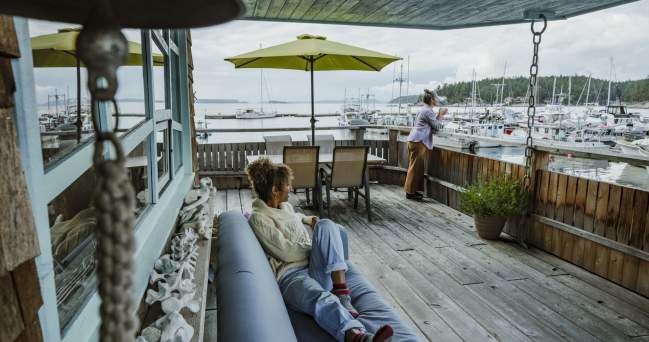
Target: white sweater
{"type": "Point", "coordinates": [282, 234]}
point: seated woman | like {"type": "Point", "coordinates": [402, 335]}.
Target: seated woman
{"type": "Point", "coordinates": [309, 263]}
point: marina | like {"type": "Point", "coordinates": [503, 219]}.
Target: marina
{"type": "Point", "coordinates": [318, 171]}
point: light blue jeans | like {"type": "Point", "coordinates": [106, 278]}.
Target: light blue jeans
{"type": "Point", "coordinates": [307, 289]}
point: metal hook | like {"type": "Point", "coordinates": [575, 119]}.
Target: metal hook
{"type": "Point", "coordinates": [545, 24]}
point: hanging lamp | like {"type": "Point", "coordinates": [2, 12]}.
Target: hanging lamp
{"type": "Point", "coordinates": [102, 47]}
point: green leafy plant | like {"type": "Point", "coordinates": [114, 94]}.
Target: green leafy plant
{"type": "Point", "coordinates": [500, 196]}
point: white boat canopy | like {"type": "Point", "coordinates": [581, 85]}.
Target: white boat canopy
{"type": "Point", "coordinates": [425, 14]}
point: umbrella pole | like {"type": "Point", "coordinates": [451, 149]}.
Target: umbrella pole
{"type": "Point", "coordinates": [78, 100]}
{"type": "Point", "coordinates": [312, 106]}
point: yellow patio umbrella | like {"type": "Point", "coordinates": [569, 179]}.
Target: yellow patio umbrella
{"type": "Point", "coordinates": [58, 50]}
{"type": "Point", "coordinates": [313, 53]}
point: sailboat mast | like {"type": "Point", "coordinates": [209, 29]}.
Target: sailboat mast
{"type": "Point", "coordinates": [502, 86]}
{"type": "Point", "coordinates": [588, 90]}
{"type": "Point", "coordinates": [261, 88]}
{"type": "Point", "coordinates": [407, 84]}
{"type": "Point", "coordinates": [610, 79]}
{"type": "Point", "coordinates": [400, 84]}
{"type": "Point", "coordinates": [569, 88]}
{"type": "Point", "coordinates": [473, 86]}
{"type": "Point", "coordinates": [554, 89]}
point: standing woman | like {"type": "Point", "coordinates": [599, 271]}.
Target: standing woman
{"type": "Point", "coordinates": [420, 140]}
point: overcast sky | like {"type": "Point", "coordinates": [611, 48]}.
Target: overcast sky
{"type": "Point", "coordinates": [580, 45]}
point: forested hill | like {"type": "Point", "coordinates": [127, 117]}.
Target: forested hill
{"type": "Point", "coordinates": [516, 89]}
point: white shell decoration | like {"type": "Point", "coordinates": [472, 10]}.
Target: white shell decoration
{"type": "Point", "coordinates": [173, 273]}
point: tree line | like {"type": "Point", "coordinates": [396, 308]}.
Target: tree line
{"type": "Point", "coordinates": [516, 89]}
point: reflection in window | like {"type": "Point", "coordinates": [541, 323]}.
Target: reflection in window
{"type": "Point", "coordinates": [56, 85]}
{"type": "Point", "coordinates": [137, 165]}
{"type": "Point", "coordinates": [130, 94]}
{"type": "Point", "coordinates": [177, 150]}
{"type": "Point", "coordinates": [159, 77]}
{"type": "Point", "coordinates": [162, 156]}
{"type": "Point", "coordinates": [73, 222]}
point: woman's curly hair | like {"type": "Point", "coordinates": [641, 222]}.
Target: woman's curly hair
{"type": "Point", "coordinates": [264, 174]}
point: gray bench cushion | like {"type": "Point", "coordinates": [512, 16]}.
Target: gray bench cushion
{"type": "Point", "coordinates": [250, 303]}
{"type": "Point", "coordinates": [375, 313]}
{"type": "Point", "coordinates": [248, 298]}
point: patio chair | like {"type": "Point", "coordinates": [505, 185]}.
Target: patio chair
{"type": "Point", "coordinates": [275, 143]}
{"type": "Point", "coordinates": [348, 171]}
{"type": "Point", "coordinates": [303, 160]}
{"type": "Point", "coordinates": [327, 142]}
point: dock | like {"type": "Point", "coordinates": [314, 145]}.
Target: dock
{"type": "Point", "coordinates": [278, 115]}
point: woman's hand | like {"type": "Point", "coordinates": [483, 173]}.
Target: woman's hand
{"type": "Point", "coordinates": [442, 112]}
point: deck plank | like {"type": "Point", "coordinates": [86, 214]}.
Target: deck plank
{"type": "Point", "coordinates": [537, 320]}
{"type": "Point", "coordinates": [425, 318]}
{"type": "Point", "coordinates": [475, 256]}
{"type": "Point", "coordinates": [463, 324]}
{"type": "Point", "coordinates": [246, 197]}
{"type": "Point", "coordinates": [426, 261]}
{"type": "Point", "coordinates": [221, 201]}
{"type": "Point", "coordinates": [453, 307]}
{"type": "Point", "coordinates": [233, 200]}
{"type": "Point", "coordinates": [211, 325]}
{"type": "Point", "coordinates": [563, 306]}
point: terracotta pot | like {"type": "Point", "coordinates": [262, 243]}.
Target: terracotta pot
{"type": "Point", "coordinates": [489, 227]}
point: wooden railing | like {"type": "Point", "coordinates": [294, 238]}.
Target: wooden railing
{"type": "Point", "coordinates": [596, 225]}
{"type": "Point", "coordinates": [599, 226]}
{"type": "Point", "coordinates": [230, 158]}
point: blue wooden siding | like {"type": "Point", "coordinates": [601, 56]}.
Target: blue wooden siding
{"type": "Point", "coordinates": [156, 223]}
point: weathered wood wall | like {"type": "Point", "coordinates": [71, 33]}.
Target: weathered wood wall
{"type": "Point", "coordinates": [20, 294]}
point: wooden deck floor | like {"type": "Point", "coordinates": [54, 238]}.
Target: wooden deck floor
{"type": "Point", "coordinates": [451, 286]}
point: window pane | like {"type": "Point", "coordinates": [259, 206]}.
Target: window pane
{"type": "Point", "coordinates": [73, 223]}
{"type": "Point", "coordinates": [72, 232]}
{"type": "Point", "coordinates": [162, 151]}
{"type": "Point", "coordinates": [176, 88]}
{"type": "Point", "coordinates": [177, 149]}
{"type": "Point", "coordinates": [130, 94]}
{"type": "Point", "coordinates": [159, 77]}
{"type": "Point", "coordinates": [137, 165]}
{"type": "Point", "coordinates": [56, 84]}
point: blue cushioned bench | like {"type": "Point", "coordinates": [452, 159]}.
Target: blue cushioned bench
{"type": "Point", "coordinates": [250, 305]}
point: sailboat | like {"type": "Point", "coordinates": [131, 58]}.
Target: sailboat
{"type": "Point", "coordinates": [251, 113]}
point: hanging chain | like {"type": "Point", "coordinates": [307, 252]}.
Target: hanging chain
{"type": "Point", "coordinates": [531, 108]}
{"type": "Point", "coordinates": [114, 201]}
{"type": "Point", "coordinates": [103, 48]}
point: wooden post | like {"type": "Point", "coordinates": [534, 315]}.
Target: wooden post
{"type": "Point", "coordinates": [359, 135]}
{"type": "Point", "coordinates": [521, 227]}
{"type": "Point", "coordinates": [393, 147]}
{"type": "Point", "coordinates": [19, 284]}
{"type": "Point", "coordinates": [192, 112]}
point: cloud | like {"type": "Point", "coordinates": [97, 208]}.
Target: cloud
{"type": "Point", "coordinates": [579, 45]}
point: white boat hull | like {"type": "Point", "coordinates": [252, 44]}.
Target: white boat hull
{"type": "Point", "coordinates": [255, 115]}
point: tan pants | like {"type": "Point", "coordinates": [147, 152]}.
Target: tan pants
{"type": "Point", "coordinates": [415, 177]}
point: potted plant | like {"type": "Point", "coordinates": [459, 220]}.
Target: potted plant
{"type": "Point", "coordinates": [492, 202]}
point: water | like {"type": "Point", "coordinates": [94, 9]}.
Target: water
{"type": "Point", "coordinates": [279, 122]}
{"type": "Point", "coordinates": [612, 172]}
